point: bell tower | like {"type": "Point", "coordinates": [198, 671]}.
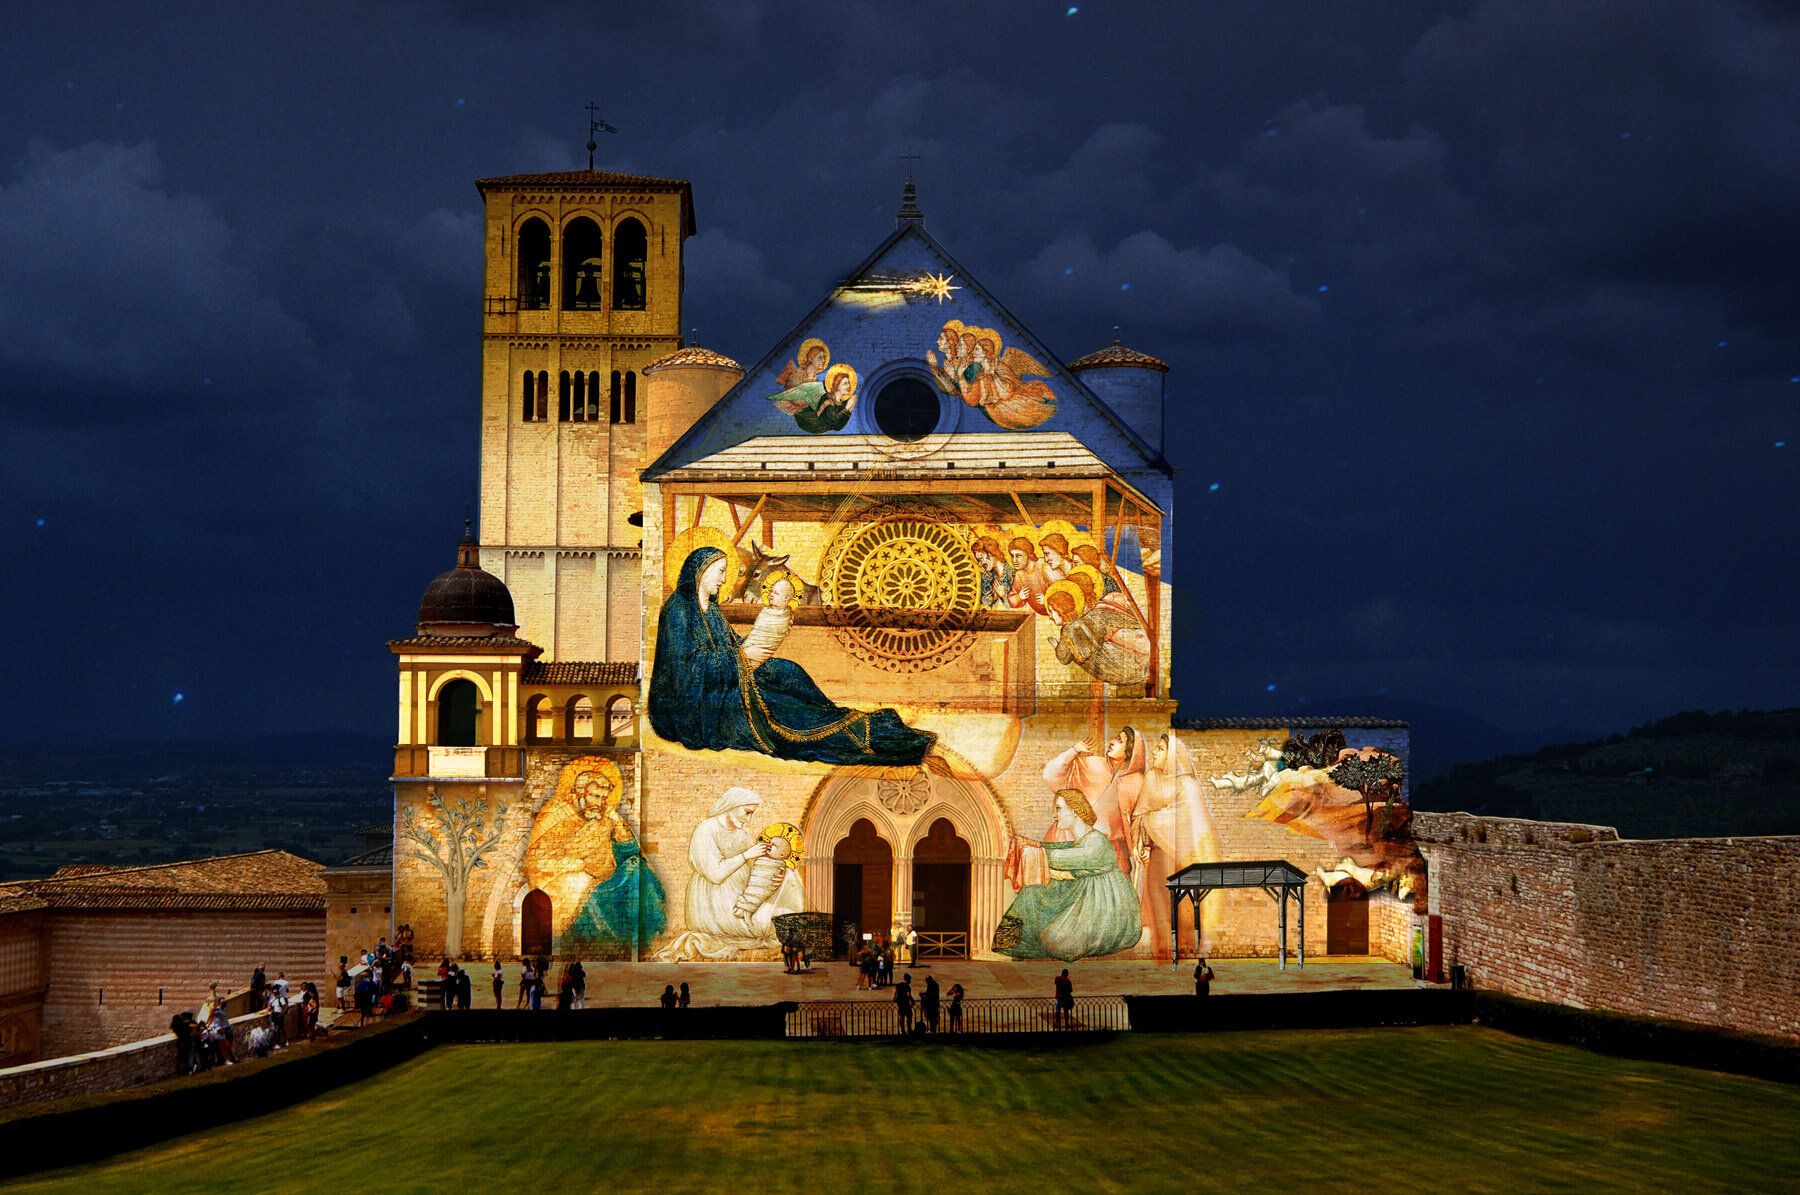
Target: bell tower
{"type": "Point", "coordinates": [583, 290]}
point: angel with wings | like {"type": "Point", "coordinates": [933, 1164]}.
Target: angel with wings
{"type": "Point", "coordinates": [976, 366]}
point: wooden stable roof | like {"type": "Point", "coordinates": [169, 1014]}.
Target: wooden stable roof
{"type": "Point", "coordinates": [975, 475]}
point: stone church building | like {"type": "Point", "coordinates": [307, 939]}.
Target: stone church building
{"type": "Point", "coordinates": [872, 634]}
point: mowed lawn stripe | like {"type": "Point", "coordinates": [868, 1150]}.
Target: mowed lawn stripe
{"type": "Point", "coordinates": [1462, 1108]}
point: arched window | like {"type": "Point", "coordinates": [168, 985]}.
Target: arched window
{"type": "Point", "coordinates": [459, 708]}
{"type": "Point", "coordinates": [581, 720]}
{"type": "Point", "coordinates": [618, 398]}
{"type": "Point", "coordinates": [530, 396]}
{"type": "Point", "coordinates": [594, 396]}
{"type": "Point", "coordinates": [630, 247]}
{"type": "Point", "coordinates": [578, 408]}
{"type": "Point", "coordinates": [621, 721]}
{"type": "Point", "coordinates": [543, 394]}
{"type": "Point", "coordinates": [562, 397]}
{"type": "Point", "coordinates": [581, 265]}
{"type": "Point", "coordinates": [534, 265]}
{"type": "Point", "coordinates": [540, 720]}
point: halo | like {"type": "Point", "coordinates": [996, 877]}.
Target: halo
{"type": "Point", "coordinates": [837, 371]}
{"type": "Point", "coordinates": [790, 832]}
{"type": "Point", "coordinates": [1093, 574]}
{"type": "Point", "coordinates": [1063, 527]}
{"type": "Point", "coordinates": [1074, 592]}
{"type": "Point", "coordinates": [565, 783]}
{"type": "Point", "coordinates": [1018, 531]}
{"type": "Point", "coordinates": [806, 348]}
{"type": "Point", "coordinates": [690, 541]}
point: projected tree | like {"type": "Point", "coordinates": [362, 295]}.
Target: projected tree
{"type": "Point", "coordinates": [455, 840]}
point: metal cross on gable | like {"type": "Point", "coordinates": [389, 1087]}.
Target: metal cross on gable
{"type": "Point", "coordinates": [595, 125]}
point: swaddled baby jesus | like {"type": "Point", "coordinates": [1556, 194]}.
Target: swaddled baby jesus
{"type": "Point", "coordinates": [780, 595]}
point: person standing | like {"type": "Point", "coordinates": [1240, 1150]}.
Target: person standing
{"type": "Point", "coordinates": [465, 990]}
{"type": "Point", "coordinates": [259, 979]}
{"type": "Point", "coordinates": [956, 999]}
{"type": "Point", "coordinates": [903, 1003]}
{"type": "Point", "coordinates": [343, 982]}
{"type": "Point", "coordinates": [527, 977]}
{"type": "Point", "coordinates": [499, 982]}
{"type": "Point", "coordinates": [912, 946]}
{"type": "Point", "coordinates": [928, 1003]}
{"type": "Point", "coordinates": [1064, 1016]}
{"type": "Point", "coordinates": [578, 979]}
{"type": "Point", "coordinates": [668, 997]}
{"type": "Point", "coordinates": [1203, 977]}
{"type": "Point", "coordinates": [682, 1000]}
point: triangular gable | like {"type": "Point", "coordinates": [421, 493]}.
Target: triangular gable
{"type": "Point", "coordinates": [891, 309]}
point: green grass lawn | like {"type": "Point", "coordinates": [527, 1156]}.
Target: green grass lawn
{"type": "Point", "coordinates": [1462, 1109]}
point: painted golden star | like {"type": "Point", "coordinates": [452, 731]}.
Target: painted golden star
{"type": "Point", "coordinates": [935, 286]}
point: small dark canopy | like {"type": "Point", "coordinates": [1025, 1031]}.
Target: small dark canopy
{"type": "Point", "coordinates": [1279, 878]}
{"type": "Point", "coordinates": [1267, 873]}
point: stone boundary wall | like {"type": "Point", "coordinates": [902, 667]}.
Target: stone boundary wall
{"type": "Point", "coordinates": [110, 1069]}
{"type": "Point", "coordinates": [1689, 929]}
{"type": "Point", "coordinates": [1391, 923]}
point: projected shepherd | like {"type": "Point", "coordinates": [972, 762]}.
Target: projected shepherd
{"type": "Point", "coordinates": [709, 691]}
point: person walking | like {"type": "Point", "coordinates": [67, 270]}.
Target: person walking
{"type": "Point", "coordinates": [928, 1003]}
{"type": "Point", "coordinates": [1064, 1016]}
{"type": "Point", "coordinates": [683, 999]}
{"type": "Point", "coordinates": [903, 1003]}
{"type": "Point", "coordinates": [499, 982]}
{"type": "Point", "coordinates": [956, 999]}
{"type": "Point", "coordinates": [1203, 977]}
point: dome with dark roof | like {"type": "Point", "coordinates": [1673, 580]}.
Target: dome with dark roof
{"type": "Point", "coordinates": [1117, 356]}
{"type": "Point", "coordinates": [467, 599]}
{"type": "Point", "coordinates": [693, 355]}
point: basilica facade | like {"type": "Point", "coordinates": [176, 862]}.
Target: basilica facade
{"type": "Point", "coordinates": [873, 635]}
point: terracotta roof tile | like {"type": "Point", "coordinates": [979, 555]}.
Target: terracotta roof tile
{"type": "Point", "coordinates": [597, 179]}
{"type": "Point", "coordinates": [580, 672]}
{"type": "Point", "coordinates": [16, 902]}
{"type": "Point", "coordinates": [1117, 355]}
{"type": "Point", "coordinates": [509, 643]}
{"type": "Point", "coordinates": [257, 880]}
{"type": "Point", "coordinates": [694, 355]}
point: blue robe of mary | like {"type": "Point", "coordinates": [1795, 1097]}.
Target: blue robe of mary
{"type": "Point", "coordinates": [705, 695]}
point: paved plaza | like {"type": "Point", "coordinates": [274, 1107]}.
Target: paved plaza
{"type": "Point", "coordinates": [765, 982]}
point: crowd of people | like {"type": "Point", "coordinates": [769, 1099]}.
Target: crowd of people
{"type": "Point", "coordinates": [207, 1038]}
{"type": "Point", "coordinates": [382, 984]}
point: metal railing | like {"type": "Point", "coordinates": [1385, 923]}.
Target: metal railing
{"type": "Point", "coordinates": [943, 945]}
{"type": "Point", "coordinates": [1006, 1014]}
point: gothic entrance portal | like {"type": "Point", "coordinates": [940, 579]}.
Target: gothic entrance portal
{"type": "Point", "coordinates": [932, 844]}
{"type": "Point", "coordinates": [940, 897]}
{"type": "Point", "coordinates": [862, 883]}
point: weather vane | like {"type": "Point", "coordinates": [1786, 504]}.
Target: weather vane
{"type": "Point", "coordinates": [595, 125]}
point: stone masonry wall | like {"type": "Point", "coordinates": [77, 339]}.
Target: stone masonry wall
{"type": "Point", "coordinates": [1695, 929]}
{"type": "Point", "coordinates": [119, 977]}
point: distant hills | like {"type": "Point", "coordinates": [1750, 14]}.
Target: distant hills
{"type": "Point", "coordinates": [1694, 774]}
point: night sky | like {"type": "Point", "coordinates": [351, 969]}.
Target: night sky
{"type": "Point", "coordinates": [1482, 318]}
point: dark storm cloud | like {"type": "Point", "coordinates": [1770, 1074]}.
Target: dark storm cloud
{"type": "Point", "coordinates": [1481, 315]}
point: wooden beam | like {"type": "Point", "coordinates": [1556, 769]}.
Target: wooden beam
{"type": "Point", "coordinates": [1023, 513]}
{"type": "Point", "coordinates": [737, 524]}
{"type": "Point", "coordinates": [745, 525]}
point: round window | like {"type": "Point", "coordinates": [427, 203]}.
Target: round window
{"type": "Point", "coordinates": [907, 409]}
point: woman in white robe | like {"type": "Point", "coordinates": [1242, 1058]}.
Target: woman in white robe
{"type": "Point", "coordinates": [721, 852]}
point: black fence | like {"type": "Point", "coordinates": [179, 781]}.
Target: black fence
{"type": "Point", "coordinates": [1001, 1015]}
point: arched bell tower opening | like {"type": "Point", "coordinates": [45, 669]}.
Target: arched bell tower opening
{"type": "Point", "coordinates": [948, 839]}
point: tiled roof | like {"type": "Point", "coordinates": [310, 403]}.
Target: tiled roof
{"type": "Point", "coordinates": [257, 880]}
{"type": "Point", "coordinates": [1306, 723]}
{"type": "Point", "coordinates": [1115, 355]}
{"type": "Point", "coordinates": [580, 672]}
{"type": "Point", "coordinates": [597, 179]}
{"type": "Point", "coordinates": [83, 869]}
{"type": "Point", "coordinates": [19, 902]}
{"type": "Point", "coordinates": [508, 643]}
{"type": "Point", "coordinates": [381, 856]}
{"type": "Point", "coordinates": [694, 355]}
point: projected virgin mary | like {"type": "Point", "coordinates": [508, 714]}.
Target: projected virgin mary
{"type": "Point", "coordinates": [709, 693]}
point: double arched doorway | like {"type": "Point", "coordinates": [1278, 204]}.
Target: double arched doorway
{"type": "Point", "coordinates": [922, 852]}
